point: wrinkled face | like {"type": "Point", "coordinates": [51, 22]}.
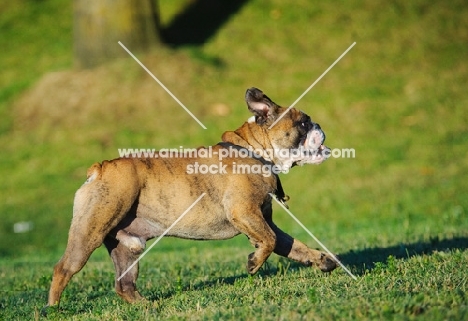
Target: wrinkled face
{"type": "Point", "coordinates": [311, 142]}
{"type": "Point", "coordinates": [296, 140]}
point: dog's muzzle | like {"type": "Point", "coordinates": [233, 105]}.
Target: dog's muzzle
{"type": "Point", "coordinates": [314, 152]}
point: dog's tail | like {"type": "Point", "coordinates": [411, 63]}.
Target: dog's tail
{"type": "Point", "coordinates": [82, 197]}
{"type": "Point", "coordinates": [94, 172]}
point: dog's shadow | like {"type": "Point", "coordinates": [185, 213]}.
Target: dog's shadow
{"type": "Point", "coordinates": [367, 259]}
{"type": "Point", "coordinates": [359, 262]}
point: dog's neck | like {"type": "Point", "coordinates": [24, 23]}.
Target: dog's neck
{"type": "Point", "coordinates": [279, 192]}
{"type": "Point", "coordinates": [247, 140]}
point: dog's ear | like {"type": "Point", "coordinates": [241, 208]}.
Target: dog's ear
{"type": "Point", "coordinates": [264, 109]}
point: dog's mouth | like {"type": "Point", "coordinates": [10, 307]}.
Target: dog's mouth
{"type": "Point", "coordinates": [313, 149]}
{"type": "Point", "coordinates": [322, 150]}
{"type": "Point", "coordinates": [316, 156]}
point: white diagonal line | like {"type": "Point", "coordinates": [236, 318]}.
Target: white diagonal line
{"type": "Point", "coordinates": [161, 236]}
{"type": "Point", "coordinates": [313, 236]}
{"type": "Point", "coordinates": [310, 87]}
{"type": "Point", "coordinates": [162, 85]}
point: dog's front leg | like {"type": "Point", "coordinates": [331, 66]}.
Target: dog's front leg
{"type": "Point", "coordinates": [293, 249]}
{"type": "Point", "coordinates": [250, 222]}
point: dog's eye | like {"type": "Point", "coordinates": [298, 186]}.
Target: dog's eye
{"type": "Point", "coordinates": [303, 126]}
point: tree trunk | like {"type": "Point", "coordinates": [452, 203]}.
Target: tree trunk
{"type": "Point", "coordinates": [100, 24]}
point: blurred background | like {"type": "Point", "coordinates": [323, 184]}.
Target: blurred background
{"type": "Point", "coordinates": [71, 96]}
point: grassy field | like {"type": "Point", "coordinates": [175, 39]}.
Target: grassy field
{"type": "Point", "coordinates": [397, 213]}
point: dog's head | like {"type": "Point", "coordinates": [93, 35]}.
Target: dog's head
{"type": "Point", "coordinates": [293, 136]}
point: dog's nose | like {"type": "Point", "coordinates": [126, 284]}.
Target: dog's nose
{"type": "Point", "coordinates": [316, 126]}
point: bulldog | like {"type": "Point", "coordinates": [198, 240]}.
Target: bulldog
{"type": "Point", "coordinates": [127, 201]}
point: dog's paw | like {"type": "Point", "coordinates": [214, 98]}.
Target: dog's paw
{"type": "Point", "coordinates": [252, 266]}
{"type": "Point", "coordinates": [131, 296]}
{"type": "Point", "coordinates": [327, 263]}
{"type": "Point", "coordinates": [49, 309]}
{"type": "Point", "coordinates": [44, 311]}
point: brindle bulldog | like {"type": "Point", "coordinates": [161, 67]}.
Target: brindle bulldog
{"type": "Point", "coordinates": [127, 201]}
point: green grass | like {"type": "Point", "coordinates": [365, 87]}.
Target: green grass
{"type": "Point", "coordinates": [397, 214]}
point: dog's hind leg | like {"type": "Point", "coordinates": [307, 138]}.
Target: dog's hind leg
{"type": "Point", "coordinates": [83, 239]}
{"type": "Point", "coordinates": [77, 253]}
{"type": "Point", "coordinates": [123, 257]}
{"type": "Point", "coordinates": [96, 211]}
